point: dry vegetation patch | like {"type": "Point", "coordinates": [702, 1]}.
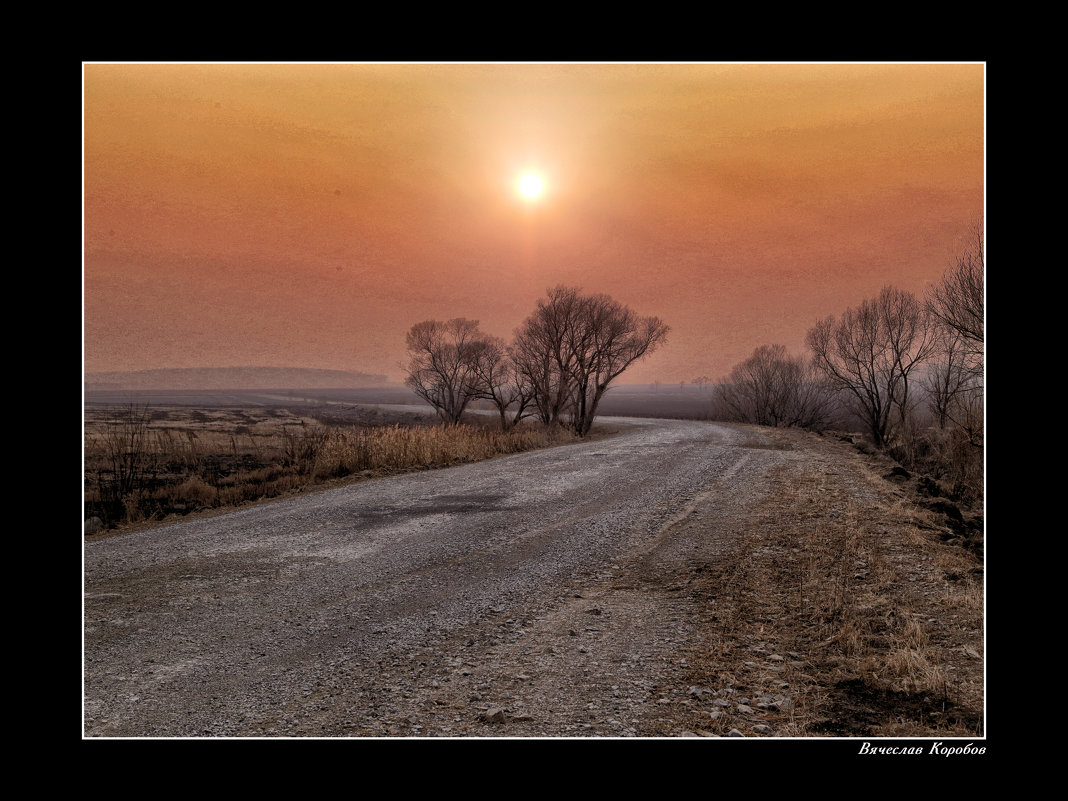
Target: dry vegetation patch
{"type": "Point", "coordinates": [841, 613]}
{"type": "Point", "coordinates": [145, 464]}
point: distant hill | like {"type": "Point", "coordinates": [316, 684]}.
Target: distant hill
{"type": "Point", "coordinates": [233, 378]}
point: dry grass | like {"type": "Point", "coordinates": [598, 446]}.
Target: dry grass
{"type": "Point", "coordinates": [399, 448]}
{"type": "Point", "coordinates": [146, 465]}
{"type": "Point", "coordinates": [879, 621]}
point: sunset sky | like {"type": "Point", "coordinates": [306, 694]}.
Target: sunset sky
{"type": "Point", "coordinates": [306, 215]}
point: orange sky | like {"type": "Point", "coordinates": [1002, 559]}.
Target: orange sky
{"type": "Point", "coordinates": [307, 215]}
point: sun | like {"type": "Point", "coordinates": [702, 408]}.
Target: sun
{"type": "Point", "coordinates": [531, 185]}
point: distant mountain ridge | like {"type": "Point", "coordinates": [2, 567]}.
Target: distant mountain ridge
{"type": "Point", "coordinates": [233, 378]}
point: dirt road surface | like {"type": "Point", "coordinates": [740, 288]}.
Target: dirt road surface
{"type": "Point", "coordinates": [556, 593]}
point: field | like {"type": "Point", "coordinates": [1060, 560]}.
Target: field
{"type": "Point", "coordinates": [154, 455]}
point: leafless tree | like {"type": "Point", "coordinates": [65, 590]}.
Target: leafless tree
{"type": "Point", "coordinates": [967, 413]}
{"type": "Point", "coordinates": [948, 374]}
{"type": "Point", "coordinates": [955, 395]}
{"type": "Point", "coordinates": [442, 365]}
{"type": "Point", "coordinates": [500, 381]}
{"type": "Point", "coordinates": [871, 355]}
{"type": "Point", "coordinates": [605, 339]}
{"type": "Point", "coordinates": [573, 346]}
{"type": "Point", "coordinates": [955, 382]}
{"type": "Point", "coordinates": [539, 355]}
{"type": "Point", "coordinates": [957, 302]}
{"type": "Point", "coordinates": [773, 388]}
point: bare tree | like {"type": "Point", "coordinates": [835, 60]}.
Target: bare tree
{"type": "Point", "coordinates": [957, 302]}
{"type": "Point", "coordinates": [442, 366]}
{"type": "Point", "coordinates": [604, 339]}
{"type": "Point", "coordinates": [948, 375]}
{"type": "Point", "coordinates": [954, 385]}
{"type": "Point", "coordinates": [955, 382]}
{"type": "Point", "coordinates": [967, 414]}
{"type": "Point", "coordinates": [573, 346]}
{"type": "Point", "coordinates": [500, 381]}
{"type": "Point", "coordinates": [871, 354]}
{"type": "Point", "coordinates": [772, 388]}
{"type": "Point", "coordinates": [758, 389]}
{"type": "Point", "coordinates": [911, 339]}
{"type": "Point", "coordinates": [539, 354]}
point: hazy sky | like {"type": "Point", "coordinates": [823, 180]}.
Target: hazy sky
{"type": "Point", "coordinates": [307, 215]}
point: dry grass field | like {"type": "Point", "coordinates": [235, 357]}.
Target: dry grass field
{"type": "Point", "coordinates": [148, 463]}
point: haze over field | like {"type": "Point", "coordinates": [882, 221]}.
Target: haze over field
{"type": "Point", "coordinates": [308, 214]}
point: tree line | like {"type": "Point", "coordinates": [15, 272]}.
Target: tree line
{"type": "Point", "coordinates": [891, 363]}
{"type": "Point", "coordinates": [557, 368]}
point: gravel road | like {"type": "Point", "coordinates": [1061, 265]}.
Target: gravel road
{"type": "Point", "coordinates": [456, 602]}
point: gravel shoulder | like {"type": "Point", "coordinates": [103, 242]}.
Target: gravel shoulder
{"type": "Point", "coordinates": [680, 579]}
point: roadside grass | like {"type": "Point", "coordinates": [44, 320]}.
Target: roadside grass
{"type": "Point", "coordinates": [841, 618]}
{"type": "Point", "coordinates": [146, 465]}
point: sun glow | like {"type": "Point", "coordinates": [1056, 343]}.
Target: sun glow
{"type": "Point", "coordinates": [531, 185]}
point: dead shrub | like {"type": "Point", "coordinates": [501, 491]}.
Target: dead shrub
{"type": "Point", "coordinates": [195, 492]}
{"type": "Point", "coordinates": [301, 447]}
